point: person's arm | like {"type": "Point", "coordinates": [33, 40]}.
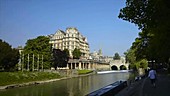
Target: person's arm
{"type": "Point", "coordinates": [155, 75]}
{"type": "Point", "coordinates": [149, 74]}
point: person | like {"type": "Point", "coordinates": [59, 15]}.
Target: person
{"type": "Point", "coordinates": [152, 76]}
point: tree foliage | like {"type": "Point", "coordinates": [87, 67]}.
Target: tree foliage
{"type": "Point", "coordinates": [130, 58]}
{"type": "Point", "coordinates": [8, 56]}
{"type": "Point", "coordinates": [76, 53]}
{"type": "Point", "coordinates": [67, 52]}
{"type": "Point", "coordinates": [39, 47]}
{"type": "Point", "coordinates": [60, 58]}
{"type": "Point", "coordinates": [133, 61]}
{"type": "Point", "coordinates": [153, 18]}
{"type": "Point", "coordinates": [116, 56]}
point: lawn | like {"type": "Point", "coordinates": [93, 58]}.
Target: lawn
{"type": "Point", "coordinates": [80, 72]}
{"type": "Point", "coordinates": [7, 78]}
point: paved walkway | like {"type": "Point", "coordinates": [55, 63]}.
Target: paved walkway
{"type": "Point", "coordinates": [162, 87]}
{"type": "Point", "coordinates": [144, 87]}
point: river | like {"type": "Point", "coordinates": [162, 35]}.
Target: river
{"type": "Point", "coordinates": [78, 86]}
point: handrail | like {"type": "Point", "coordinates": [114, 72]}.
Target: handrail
{"type": "Point", "coordinates": [110, 89]}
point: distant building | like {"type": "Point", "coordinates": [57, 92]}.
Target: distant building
{"type": "Point", "coordinates": [98, 56]}
{"type": "Point", "coordinates": [70, 40]}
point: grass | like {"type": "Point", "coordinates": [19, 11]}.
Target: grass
{"type": "Point", "coordinates": [7, 78]}
{"type": "Point", "coordinates": [80, 72]}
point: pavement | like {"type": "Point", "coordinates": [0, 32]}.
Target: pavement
{"type": "Point", "coordinates": [143, 87]}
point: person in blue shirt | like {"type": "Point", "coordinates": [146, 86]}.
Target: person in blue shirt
{"type": "Point", "coordinates": [152, 76]}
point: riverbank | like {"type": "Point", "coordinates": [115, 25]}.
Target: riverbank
{"type": "Point", "coordinates": [83, 72]}
{"type": "Point", "coordinates": [7, 78]}
{"type": "Point", "coordinates": [19, 79]}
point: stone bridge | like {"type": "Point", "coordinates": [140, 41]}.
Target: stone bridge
{"type": "Point", "coordinates": [119, 65]}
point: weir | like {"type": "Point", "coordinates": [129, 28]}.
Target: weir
{"type": "Point", "coordinates": [113, 71]}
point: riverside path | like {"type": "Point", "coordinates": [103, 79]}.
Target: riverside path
{"type": "Point", "coordinates": [144, 87]}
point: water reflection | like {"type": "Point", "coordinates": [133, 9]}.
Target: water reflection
{"type": "Point", "coordinates": [79, 86]}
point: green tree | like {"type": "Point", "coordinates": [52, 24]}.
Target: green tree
{"type": "Point", "coordinates": [60, 58]}
{"type": "Point", "coordinates": [116, 56]}
{"type": "Point", "coordinates": [143, 63]}
{"type": "Point", "coordinates": [41, 49]}
{"type": "Point", "coordinates": [76, 53]}
{"type": "Point", "coordinates": [8, 56]}
{"type": "Point", "coordinates": [140, 45]}
{"type": "Point", "coordinates": [135, 63]}
{"type": "Point", "coordinates": [152, 17]}
{"type": "Point", "coordinates": [131, 58]}
{"type": "Point", "coordinates": [67, 52]}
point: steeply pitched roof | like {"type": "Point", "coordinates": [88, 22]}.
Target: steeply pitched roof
{"type": "Point", "coordinates": [60, 31]}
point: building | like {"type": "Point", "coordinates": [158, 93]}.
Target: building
{"type": "Point", "coordinates": [98, 56]}
{"type": "Point", "coordinates": [70, 39]}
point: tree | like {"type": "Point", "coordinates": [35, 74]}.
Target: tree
{"type": "Point", "coordinates": [131, 58]}
{"type": "Point", "coordinates": [140, 45]}
{"type": "Point", "coordinates": [41, 49]}
{"type": "Point", "coordinates": [141, 64]}
{"type": "Point", "coordinates": [67, 52]}
{"type": "Point", "coordinates": [76, 53]}
{"type": "Point", "coordinates": [60, 58]}
{"type": "Point", "coordinates": [9, 56]}
{"type": "Point", "coordinates": [152, 17]}
{"type": "Point", "coordinates": [116, 57]}
{"type": "Point", "coordinates": [134, 62]}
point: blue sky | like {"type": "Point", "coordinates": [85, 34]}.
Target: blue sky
{"type": "Point", "coordinates": [97, 20]}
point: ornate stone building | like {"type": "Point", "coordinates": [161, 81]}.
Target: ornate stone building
{"type": "Point", "coordinates": [70, 40]}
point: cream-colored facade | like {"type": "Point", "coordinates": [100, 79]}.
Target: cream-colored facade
{"type": "Point", "coordinates": [70, 40]}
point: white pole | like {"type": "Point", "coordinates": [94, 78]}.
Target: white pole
{"type": "Point", "coordinates": [42, 63]}
{"type": "Point", "coordinates": [20, 62]}
{"type": "Point", "coordinates": [33, 63]}
{"type": "Point", "coordinates": [38, 63]}
{"type": "Point", "coordinates": [28, 63]}
{"type": "Point", "coordinates": [23, 63]}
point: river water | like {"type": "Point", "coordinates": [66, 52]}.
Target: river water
{"type": "Point", "coordinates": [78, 86]}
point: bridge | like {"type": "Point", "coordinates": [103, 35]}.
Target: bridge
{"type": "Point", "coordinates": [96, 65]}
{"type": "Point", "coordinates": [119, 65]}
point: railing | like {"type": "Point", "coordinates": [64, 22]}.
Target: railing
{"type": "Point", "coordinates": [109, 90]}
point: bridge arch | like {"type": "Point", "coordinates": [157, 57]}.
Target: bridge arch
{"type": "Point", "coordinates": [120, 64]}
{"type": "Point", "coordinates": [122, 67]}
{"type": "Point", "coordinates": [114, 67]}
